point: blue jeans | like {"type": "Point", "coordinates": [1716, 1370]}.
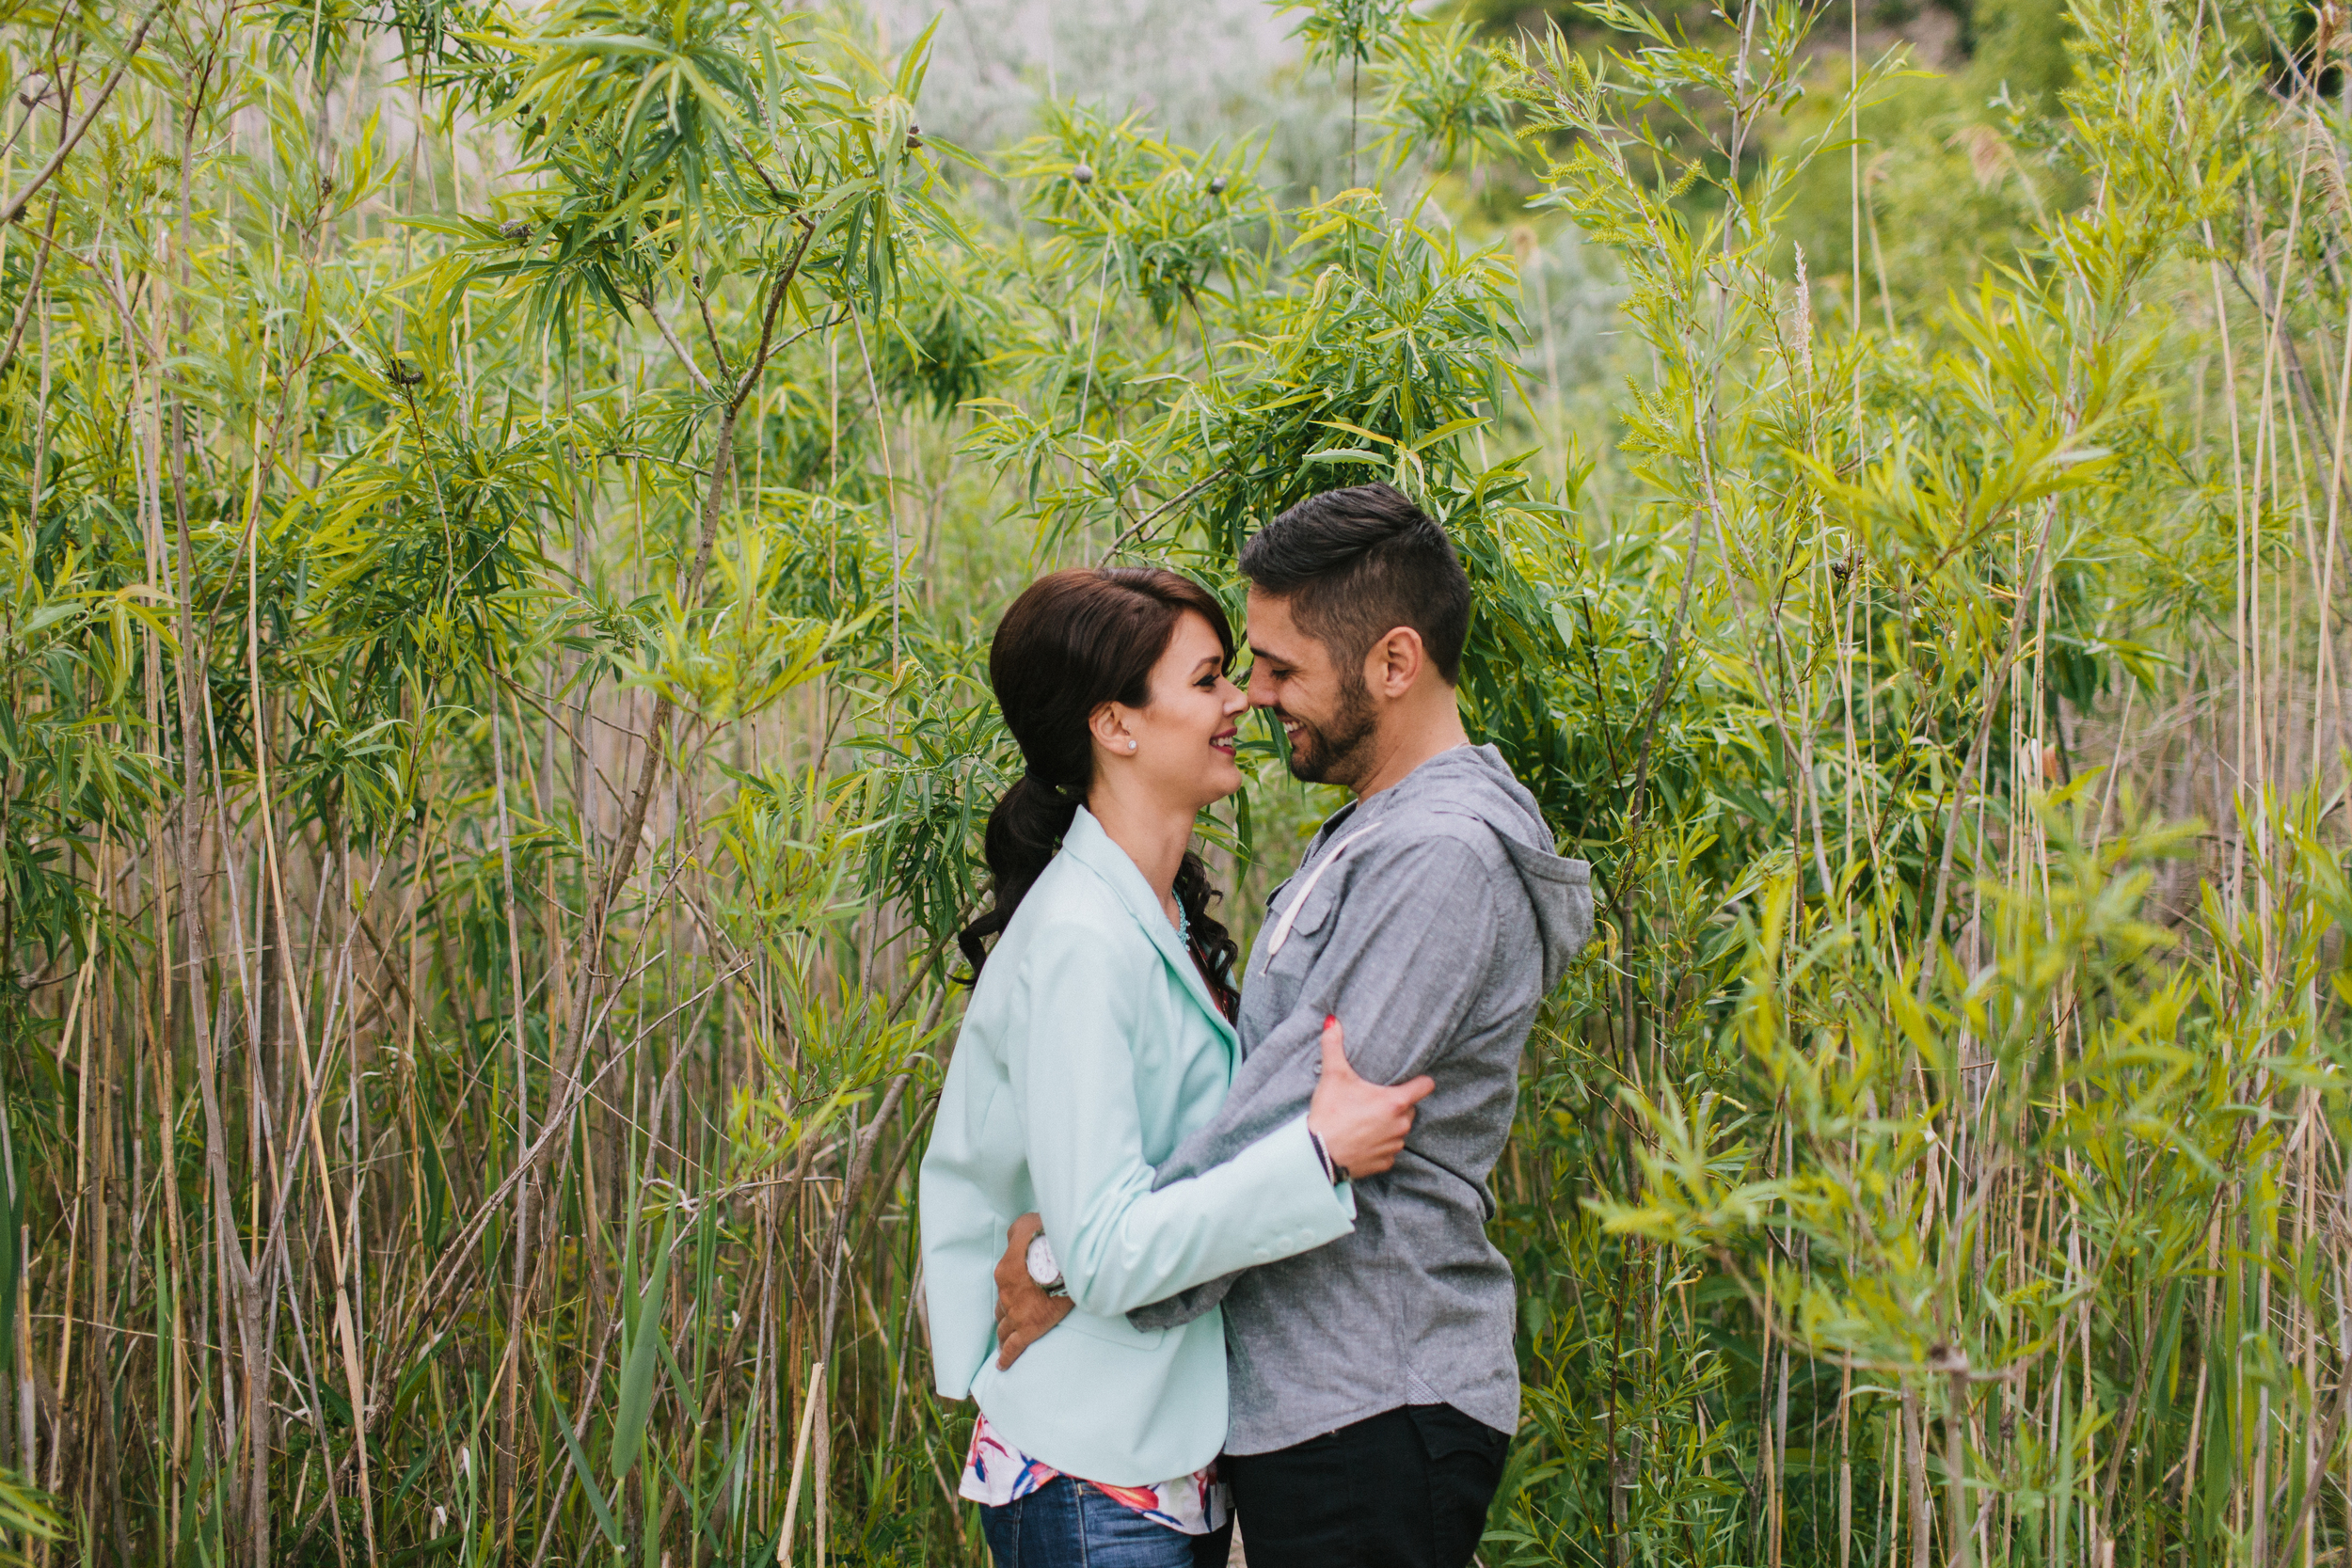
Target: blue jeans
{"type": "Point", "coordinates": [1068, 1524]}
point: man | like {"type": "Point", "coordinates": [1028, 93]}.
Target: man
{"type": "Point", "coordinates": [1374, 1387]}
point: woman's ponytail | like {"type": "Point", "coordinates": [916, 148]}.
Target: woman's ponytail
{"type": "Point", "coordinates": [1072, 641]}
{"type": "Point", "coordinates": [1024, 832]}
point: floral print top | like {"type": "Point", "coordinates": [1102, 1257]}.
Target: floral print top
{"type": "Point", "coordinates": [996, 1473]}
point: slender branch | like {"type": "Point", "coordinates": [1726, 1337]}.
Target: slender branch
{"type": "Point", "coordinates": [1135, 530]}
{"type": "Point", "coordinates": [702, 382]}
{"type": "Point", "coordinates": [14, 207]}
{"type": "Point", "coordinates": [768, 345]}
{"type": "Point", "coordinates": [32, 290]}
{"type": "Point", "coordinates": [859, 1164]}
{"type": "Point", "coordinates": [710, 328]}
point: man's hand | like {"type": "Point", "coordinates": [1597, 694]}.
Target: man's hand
{"type": "Point", "coordinates": [1362, 1125]}
{"type": "Point", "coordinates": [1025, 1314]}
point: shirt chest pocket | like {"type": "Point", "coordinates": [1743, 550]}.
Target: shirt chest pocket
{"type": "Point", "coordinates": [1301, 926]}
{"type": "Point", "coordinates": [1299, 929]}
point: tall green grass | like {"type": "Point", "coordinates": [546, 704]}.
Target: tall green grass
{"type": "Point", "coordinates": [503, 510]}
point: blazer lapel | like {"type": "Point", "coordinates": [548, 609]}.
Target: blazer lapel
{"type": "Point", "coordinates": [1099, 853]}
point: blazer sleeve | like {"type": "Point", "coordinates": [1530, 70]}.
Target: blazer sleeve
{"type": "Point", "coordinates": [1120, 1242]}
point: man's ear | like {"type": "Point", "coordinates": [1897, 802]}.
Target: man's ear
{"type": "Point", "coordinates": [1395, 662]}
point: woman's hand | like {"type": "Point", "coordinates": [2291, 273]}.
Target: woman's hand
{"type": "Point", "coordinates": [1025, 1314]}
{"type": "Point", "coordinates": [1362, 1124]}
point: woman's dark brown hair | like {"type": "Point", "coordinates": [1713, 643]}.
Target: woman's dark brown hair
{"type": "Point", "coordinates": [1070, 642]}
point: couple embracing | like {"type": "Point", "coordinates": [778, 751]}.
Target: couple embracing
{"type": "Point", "coordinates": [1205, 1240]}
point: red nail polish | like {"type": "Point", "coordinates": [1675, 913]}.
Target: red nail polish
{"type": "Point", "coordinates": [1329, 1018]}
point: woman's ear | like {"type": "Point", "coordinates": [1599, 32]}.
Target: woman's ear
{"type": "Point", "coordinates": [1109, 726]}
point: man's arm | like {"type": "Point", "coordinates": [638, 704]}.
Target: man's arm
{"type": "Point", "coordinates": [1407, 955]}
{"type": "Point", "coordinates": [1411, 938]}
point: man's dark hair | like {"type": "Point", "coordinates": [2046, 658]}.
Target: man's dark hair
{"type": "Point", "coordinates": [1354, 565]}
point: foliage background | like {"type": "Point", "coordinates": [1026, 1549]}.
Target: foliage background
{"type": "Point", "coordinates": [500, 515]}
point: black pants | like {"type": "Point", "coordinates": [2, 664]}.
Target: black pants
{"type": "Point", "coordinates": [1407, 1488]}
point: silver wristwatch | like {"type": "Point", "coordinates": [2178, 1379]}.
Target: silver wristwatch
{"type": "Point", "coordinates": [1042, 1268]}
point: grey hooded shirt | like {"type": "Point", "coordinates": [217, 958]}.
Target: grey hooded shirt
{"type": "Point", "coordinates": [1432, 918]}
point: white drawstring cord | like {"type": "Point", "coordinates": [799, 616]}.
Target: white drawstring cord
{"type": "Point", "coordinates": [1283, 927]}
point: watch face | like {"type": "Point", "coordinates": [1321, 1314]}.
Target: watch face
{"type": "Point", "coordinates": [1042, 1268]}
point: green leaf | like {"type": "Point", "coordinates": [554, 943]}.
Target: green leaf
{"type": "Point", "coordinates": [597, 1504]}
{"type": "Point", "coordinates": [640, 1358]}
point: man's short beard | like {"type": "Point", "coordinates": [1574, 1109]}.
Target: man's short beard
{"type": "Point", "coordinates": [1339, 752]}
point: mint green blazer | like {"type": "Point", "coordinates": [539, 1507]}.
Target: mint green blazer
{"type": "Point", "coordinates": [1089, 1050]}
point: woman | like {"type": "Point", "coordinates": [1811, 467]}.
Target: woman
{"type": "Point", "coordinates": [1098, 1034]}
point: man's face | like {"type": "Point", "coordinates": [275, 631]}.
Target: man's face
{"type": "Point", "coordinates": [1324, 706]}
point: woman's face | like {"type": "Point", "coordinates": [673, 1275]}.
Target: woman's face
{"type": "Point", "coordinates": [1179, 746]}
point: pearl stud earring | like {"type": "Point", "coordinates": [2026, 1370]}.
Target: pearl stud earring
{"type": "Point", "coordinates": [1131, 745]}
